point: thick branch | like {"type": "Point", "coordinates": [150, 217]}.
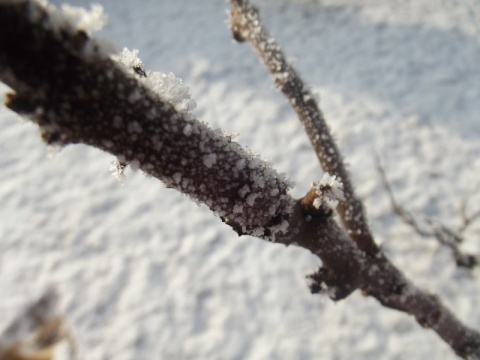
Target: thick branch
{"type": "Point", "coordinates": [77, 93]}
{"type": "Point", "coordinates": [247, 26]}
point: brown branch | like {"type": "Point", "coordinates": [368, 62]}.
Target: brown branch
{"type": "Point", "coordinates": [443, 234]}
{"type": "Point", "coordinates": [247, 26]}
{"type": "Point", "coordinates": [77, 94]}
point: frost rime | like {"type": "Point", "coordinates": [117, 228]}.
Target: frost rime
{"type": "Point", "coordinates": [329, 191]}
{"type": "Point", "coordinates": [168, 86]}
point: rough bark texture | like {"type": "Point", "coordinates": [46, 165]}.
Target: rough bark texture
{"type": "Point", "coordinates": [76, 93]}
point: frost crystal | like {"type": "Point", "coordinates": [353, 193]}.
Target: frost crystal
{"type": "Point", "coordinates": [118, 171]}
{"type": "Point", "coordinates": [129, 58]}
{"type": "Point", "coordinates": [168, 86]}
{"type": "Point", "coordinates": [171, 89]}
{"type": "Point", "coordinates": [329, 191]}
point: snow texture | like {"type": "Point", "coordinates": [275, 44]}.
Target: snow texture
{"type": "Point", "coordinates": [146, 274]}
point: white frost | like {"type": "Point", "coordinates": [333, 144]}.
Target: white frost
{"type": "Point", "coordinates": [169, 87]}
{"type": "Point", "coordinates": [129, 58]}
{"type": "Point", "coordinates": [118, 171]}
{"type": "Point", "coordinates": [210, 160]}
{"type": "Point", "coordinates": [329, 191]}
{"type": "Point", "coordinates": [87, 20]}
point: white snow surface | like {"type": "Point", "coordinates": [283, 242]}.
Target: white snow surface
{"type": "Point", "coordinates": [144, 273]}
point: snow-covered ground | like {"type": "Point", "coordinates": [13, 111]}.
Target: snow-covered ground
{"type": "Point", "coordinates": [144, 273]}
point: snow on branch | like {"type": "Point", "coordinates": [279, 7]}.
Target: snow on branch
{"type": "Point", "coordinates": [246, 25]}
{"type": "Point", "coordinates": [69, 84]}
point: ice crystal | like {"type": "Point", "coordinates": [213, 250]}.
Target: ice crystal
{"type": "Point", "coordinates": [118, 171]}
{"type": "Point", "coordinates": [329, 191]}
{"type": "Point", "coordinates": [169, 87]}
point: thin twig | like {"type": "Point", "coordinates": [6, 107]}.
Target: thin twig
{"type": "Point", "coordinates": [468, 220]}
{"type": "Point", "coordinates": [443, 234]}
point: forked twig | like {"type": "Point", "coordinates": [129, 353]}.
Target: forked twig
{"type": "Point", "coordinates": [443, 234]}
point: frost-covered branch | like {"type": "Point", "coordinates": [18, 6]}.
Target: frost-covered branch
{"type": "Point", "coordinates": [247, 26]}
{"type": "Point", "coordinates": [69, 84]}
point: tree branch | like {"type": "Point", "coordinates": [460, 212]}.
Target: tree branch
{"type": "Point", "coordinates": [247, 26]}
{"type": "Point", "coordinates": [66, 83]}
{"type": "Point", "coordinates": [444, 235]}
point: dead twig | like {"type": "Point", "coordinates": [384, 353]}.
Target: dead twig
{"type": "Point", "coordinates": [467, 220]}
{"type": "Point", "coordinates": [443, 234]}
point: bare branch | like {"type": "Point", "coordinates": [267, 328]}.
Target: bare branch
{"type": "Point", "coordinates": [247, 26]}
{"type": "Point", "coordinates": [444, 235]}
{"type": "Point", "coordinates": [467, 219]}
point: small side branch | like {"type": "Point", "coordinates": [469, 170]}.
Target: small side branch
{"type": "Point", "coordinates": [247, 26]}
{"type": "Point", "coordinates": [443, 234]}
